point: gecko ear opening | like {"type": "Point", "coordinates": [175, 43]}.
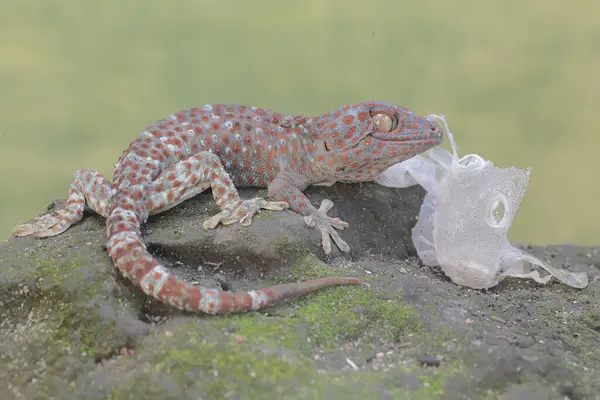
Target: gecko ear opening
{"type": "Point", "coordinates": [321, 144]}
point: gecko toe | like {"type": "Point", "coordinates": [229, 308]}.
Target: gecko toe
{"type": "Point", "coordinates": [24, 230]}
{"type": "Point", "coordinates": [243, 211]}
{"type": "Point", "coordinates": [328, 227]}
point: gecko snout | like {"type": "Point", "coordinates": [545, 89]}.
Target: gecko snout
{"type": "Point", "coordinates": [435, 131]}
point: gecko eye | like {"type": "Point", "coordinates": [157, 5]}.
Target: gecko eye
{"type": "Point", "coordinates": [383, 122]}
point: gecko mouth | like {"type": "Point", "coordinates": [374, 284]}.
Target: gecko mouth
{"type": "Point", "coordinates": [432, 134]}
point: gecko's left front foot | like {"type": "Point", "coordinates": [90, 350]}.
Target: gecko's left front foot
{"type": "Point", "coordinates": [243, 211]}
{"type": "Point", "coordinates": [326, 225]}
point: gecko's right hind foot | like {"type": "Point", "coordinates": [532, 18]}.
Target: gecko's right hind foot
{"type": "Point", "coordinates": [45, 226]}
{"type": "Point", "coordinates": [242, 211]}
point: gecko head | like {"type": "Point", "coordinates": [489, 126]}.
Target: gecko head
{"type": "Point", "coordinates": [358, 142]}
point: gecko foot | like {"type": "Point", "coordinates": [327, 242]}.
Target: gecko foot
{"type": "Point", "coordinates": [243, 211]}
{"type": "Point", "coordinates": [326, 225]}
{"type": "Point", "coordinates": [44, 226]}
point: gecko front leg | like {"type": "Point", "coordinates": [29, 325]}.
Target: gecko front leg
{"type": "Point", "coordinates": [281, 189]}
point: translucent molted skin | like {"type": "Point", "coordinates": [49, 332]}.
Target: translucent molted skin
{"type": "Point", "coordinates": [465, 218]}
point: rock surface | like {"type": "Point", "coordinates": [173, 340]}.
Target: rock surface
{"type": "Point", "coordinates": [71, 327]}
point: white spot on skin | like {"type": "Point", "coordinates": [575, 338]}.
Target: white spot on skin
{"type": "Point", "coordinates": [148, 280]}
{"type": "Point", "coordinates": [153, 161]}
{"type": "Point", "coordinates": [215, 116]}
{"type": "Point", "coordinates": [208, 107]}
{"type": "Point", "coordinates": [191, 132]}
{"type": "Point", "coordinates": [124, 238]}
{"type": "Point", "coordinates": [244, 149]}
{"type": "Point", "coordinates": [238, 136]}
{"type": "Point", "coordinates": [209, 297]}
{"type": "Point", "coordinates": [258, 299]}
{"type": "Point", "coordinates": [228, 164]}
{"type": "Point", "coordinates": [173, 117]}
{"type": "Point", "coordinates": [227, 150]}
{"type": "Point", "coordinates": [259, 131]}
{"type": "Point", "coordinates": [129, 214]}
{"type": "Point", "coordinates": [172, 147]}
{"type": "Point", "coordinates": [185, 123]}
{"type": "Point", "coordinates": [279, 129]}
{"type": "Point", "coordinates": [146, 134]}
{"type": "Point", "coordinates": [215, 138]}
{"type": "Point", "coordinates": [228, 125]}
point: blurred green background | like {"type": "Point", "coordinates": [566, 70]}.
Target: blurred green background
{"type": "Point", "coordinates": [519, 82]}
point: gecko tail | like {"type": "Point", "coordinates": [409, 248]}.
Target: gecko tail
{"type": "Point", "coordinates": [130, 255]}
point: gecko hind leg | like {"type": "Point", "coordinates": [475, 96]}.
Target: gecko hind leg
{"type": "Point", "coordinates": [89, 188]}
{"type": "Point", "coordinates": [197, 173]}
{"type": "Point", "coordinates": [243, 211]}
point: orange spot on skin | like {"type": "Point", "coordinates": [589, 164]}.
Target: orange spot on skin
{"type": "Point", "coordinates": [137, 195]}
{"type": "Point", "coordinates": [351, 132]}
{"type": "Point", "coordinates": [348, 119]}
{"type": "Point", "coordinates": [221, 191]}
{"type": "Point", "coordinates": [363, 116]}
{"type": "Point", "coordinates": [194, 297]}
{"type": "Point", "coordinates": [236, 128]}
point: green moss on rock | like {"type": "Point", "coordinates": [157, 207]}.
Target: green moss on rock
{"type": "Point", "coordinates": [591, 320]}
{"type": "Point", "coordinates": [51, 321]}
{"type": "Point", "coordinates": [198, 359]}
{"type": "Point", "coordinates": [347, 313]}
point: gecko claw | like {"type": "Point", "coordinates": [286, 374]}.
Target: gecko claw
{"type": "Point", "coordinates": [242, 211]}
{"type": "Point", "coordinates": [326, 225]}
